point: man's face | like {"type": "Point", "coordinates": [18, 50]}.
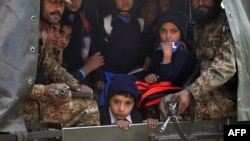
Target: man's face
{"type": "Point", "coordinates": [124, 5]}
{"type": "Point", "coordinates": [202, 6]}
{"type": "Point", "coordinates": [121, 106]}
{"type": "Point", "coordinates": [205, 11]}
{"type": "Point", "coordinates": [52, 10]}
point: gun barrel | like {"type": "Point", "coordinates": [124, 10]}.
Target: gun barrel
{"type": "Point", "coordinates": [162, 129]}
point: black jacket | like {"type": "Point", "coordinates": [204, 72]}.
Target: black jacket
{"type": "Point", "coordinates": [123, 50]}
{"type": "Point", "coordinates": [180, 68]}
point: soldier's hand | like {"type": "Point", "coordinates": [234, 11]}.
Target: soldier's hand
{"type": "Point", "coordinates": [164, 106]}
{"type": "Point", "coordinates": [183, 98]}
{"type": "Point", "coordinates": [51, 91]}
{"type": "Point", "coordinates": [83, 88]}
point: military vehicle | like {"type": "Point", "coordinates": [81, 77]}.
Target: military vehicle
{"type": "Point", "coordinates": [238, 15]}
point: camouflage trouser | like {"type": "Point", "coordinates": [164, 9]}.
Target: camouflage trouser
{"type": "Point", "coordinates": [77, 112]}
{"type": "Point", "coordinates": [213, 105]}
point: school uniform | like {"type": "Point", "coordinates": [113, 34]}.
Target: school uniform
{"type": "Point", "coordinates": [123, 50]}
{"type": "Point", "coordinates": [121, 83]}
{"type": "Point", "coordinates": [107, 118]}
{"type": "Point", "coordinates": [178, 70]}
{"type": "Point", "coordinates": [73, 54]}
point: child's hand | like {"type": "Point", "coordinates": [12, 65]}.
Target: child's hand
{"type": "Point", "coordinates": [93, 62]}
{"type": "Point", "coordinates": [124, 124]}
{"type": "Point", "coordinates": [166, 48]}
{"type": "Point", "coordinates": [59, 54]}
{"type": "Point", "coordinates": [100, 85]}
{"type": "Point", "coordinates": [152, 123]}
{"type": "Point", "coordinates": [167, 52]}
{"type": "Point", "coordinates": [151, 78]}
{"type": "Point", "coordinates": [146, 63]}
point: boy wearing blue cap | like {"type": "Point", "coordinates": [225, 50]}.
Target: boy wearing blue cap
{"type": "Point", "coordinates": [171, 61]}
{"type": "Point", "coordinates": [121, 98]}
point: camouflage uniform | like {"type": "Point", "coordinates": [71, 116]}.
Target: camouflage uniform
{"type": "Point", "coordinates": [48, 63]}
{"type": "Point", "coordinates": [215, 50]}
{"type": "Point", "coordinates": [77, 112]}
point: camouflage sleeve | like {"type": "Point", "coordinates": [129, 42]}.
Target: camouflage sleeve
{"type": "Point", "coordinates": [37, 91]}
{"type": "Point", "coordinates": [220, 71]}
{"type": "Point", "coordinates": [53, 69]}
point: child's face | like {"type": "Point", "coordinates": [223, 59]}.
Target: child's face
{"type": "Point", "coordinates": [164, 5]}
{"type": "Point", "coordinates": [65, 35]}
{"type": "Point", "coordinates": [169, 32]}
{"type": "Point", "coordinates": [121, 106]}
{"type": "Point", "coordinates": [76, 4]}
{"type": "Point", "coordinates": [149, 12]}
{"type": "Point", "coordinates": [124, 6]}
{"type": "Point", "coordinates": [53, 35]}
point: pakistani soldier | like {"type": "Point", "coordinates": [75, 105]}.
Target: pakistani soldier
{"type": "Point", "coordinates": [64, 110]}
{"type": "Point", "coordinates": [212, 90]}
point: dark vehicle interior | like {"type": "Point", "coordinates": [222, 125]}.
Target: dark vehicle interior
{"type": "Point", "coordinates": [238, 15]}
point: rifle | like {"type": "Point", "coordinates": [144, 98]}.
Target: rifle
{"type": "Point", "coordinates": [172, 109]}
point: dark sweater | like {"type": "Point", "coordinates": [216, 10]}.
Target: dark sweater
{"type": "Point", "coordinates": [72, 54]}
{"type": "Point", "coordinates": [124, 50]}
{"type": "Point", "coordinates": [180, 68]}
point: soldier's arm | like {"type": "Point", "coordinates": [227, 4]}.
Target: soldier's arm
{"type": "Point", "coordinates": [220, 71]}
{"type": "Point", "coordinates": [55, 71]}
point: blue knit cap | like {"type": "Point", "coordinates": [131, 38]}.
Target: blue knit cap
{"type": "Point", "coordinates": [123, 83]}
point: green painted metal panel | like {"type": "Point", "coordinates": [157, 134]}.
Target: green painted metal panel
{"type": "Point", "coordinates": [203, 130]}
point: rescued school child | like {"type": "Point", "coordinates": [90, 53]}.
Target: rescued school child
{"type": "Point", "coordinates": [149, 10]}
{"type": "Point", "coordinates": [63, 40]}
{"type": "Point", "coordinates": [171, 63]}
{"type": "Point", "coordinates": [122, 97]}
{"type": "Point", "coordinates": [76, 53]}
{"type": "Point", "coordinates": [122, 45]}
